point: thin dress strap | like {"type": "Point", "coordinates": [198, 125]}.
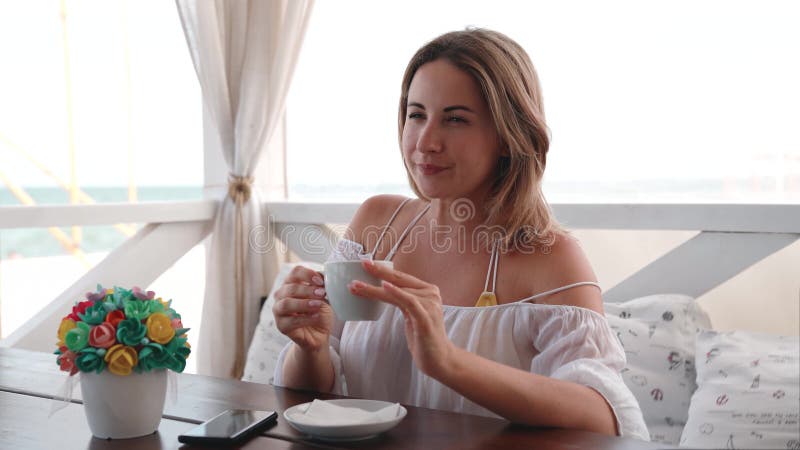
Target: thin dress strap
{"type": "Point", "coordinates": [489, 298]}
{"type": "Point", "coordinates": [386, 227]}
{"type": "Point", "coordinates": [562, 288]}
{"type": "Point", "coordinates": [492, 270]}
{"type": "Point", "coordinates": [405, 232]}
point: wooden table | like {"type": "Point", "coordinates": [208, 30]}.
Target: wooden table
{"type": "Point", "coordinates": [29, 379]}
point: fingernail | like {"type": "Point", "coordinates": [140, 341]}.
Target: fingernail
{"type": "Point", "coordinates": [318, 280]}
{"type": "Point", "coordinates": [356, 285]}
{"type": "Point", "coordinates": [315, 315]}
{"type": "Point", "coordinates": [315, 303]}
{"type": "Point", "coordinates": [319, 292]}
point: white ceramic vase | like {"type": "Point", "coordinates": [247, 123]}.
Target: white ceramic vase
{"type": "Point", "coordinates": [122, 407]}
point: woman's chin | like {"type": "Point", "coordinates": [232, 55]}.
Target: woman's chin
{"type": "Point", "coordinates": [433, 192]}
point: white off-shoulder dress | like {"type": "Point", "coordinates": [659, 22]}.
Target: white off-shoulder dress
{"type": "Point", "coordinates": [371, 359]}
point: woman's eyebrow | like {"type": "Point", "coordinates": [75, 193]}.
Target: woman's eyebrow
{"type": "Point", "coordinates": [456, 107]}
{"type": "Point", "coordinates": [448, 109]}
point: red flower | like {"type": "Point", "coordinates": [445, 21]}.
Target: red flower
{"type": "Point", "coordinates": [115, 317]}
{"type": "Point", "coordinates": [67, 362]}
{"type": "Point", "coordinates": [80, 308]}
{"type": "Point", "coordinates": [103, 335]}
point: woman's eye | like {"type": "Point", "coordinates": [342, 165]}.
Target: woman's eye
{"type": "Point", "coordinates": [455, 119]}
{"type": "Point", "coordinates": [415, 115]}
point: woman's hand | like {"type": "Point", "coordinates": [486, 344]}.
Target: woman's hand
{"type": "Point", "coordinates": [300, 309]}
{"type": "Point", "coordinates": [421, 305]}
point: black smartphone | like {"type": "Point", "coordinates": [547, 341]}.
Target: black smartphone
{"type": "Point", "coordinates": [229, 428]}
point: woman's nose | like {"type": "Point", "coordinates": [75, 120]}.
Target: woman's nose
{"type": "Point", "coordinates": [430, 139]}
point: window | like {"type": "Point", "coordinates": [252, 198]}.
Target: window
{"type": "Point", "coordinates": [99, 102]}
{"type": "Point", "coordinates": [99, 95]}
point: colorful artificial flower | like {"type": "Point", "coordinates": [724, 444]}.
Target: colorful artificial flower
{"type": "Point", "coordinates": [91, 359]}
{"type": "Point", "coordinates": [66, 361]}
{"type": "Point", "coordinates": [115, 317]}
{"type": "Point", "coordinates": [79, 309]}
{"type": "Point", "coordinates": [66, 325]}
{"type": "Point", "coordinates": [78, 337]}
{"type": "Point", "coordinates": [103, 335]}
{"type": "Point", "coordinates": [123, 331]}
{"type": "Point", "coordinates": [141, 295]}
{"type": "Point", "coordinates": [138, 310]}
{"type": "Point", "coordinates": [121, 359]}
{"type": "Point", "coordinates": [131, 332]}
{"type": "Point", "coordinates": [94, 314]}
{"type": "Point", "coordinates": [159, 328]}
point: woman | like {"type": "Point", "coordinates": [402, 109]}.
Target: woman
{"type": "Point", "coordinates": [535, 348]}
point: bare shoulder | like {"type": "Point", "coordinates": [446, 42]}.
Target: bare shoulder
{"type": "Point", "coordinates": [373, 213]}
{"type": "Point", "coordinates": [565, 264]}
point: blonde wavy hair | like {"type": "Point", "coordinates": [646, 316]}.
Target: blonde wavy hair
{"type": "Point", "coordinates": [510, 87]}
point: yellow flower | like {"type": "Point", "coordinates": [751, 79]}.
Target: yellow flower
{"type": "Point", "coordinates": [159, 328]}
{"type": "Point", "coordinates": [121, 359]}
{"type": "Point", "coordinates": [109, 291]}
{"type": "Point", "coordinates": [66, 325]}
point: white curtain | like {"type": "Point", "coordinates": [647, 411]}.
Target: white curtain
{"type": "Point", "coordinates": [244, 53]}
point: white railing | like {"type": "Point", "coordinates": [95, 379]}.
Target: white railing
{"type": "Point", "coordinates": [731, 239]}
{"type": "Point", "coordinates": [172, 229]}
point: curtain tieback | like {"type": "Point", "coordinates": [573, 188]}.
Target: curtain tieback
{"type": "Point", "coordinates": [239, 189]}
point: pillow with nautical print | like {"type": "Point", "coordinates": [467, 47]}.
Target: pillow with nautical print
{"type": "Point", "coordinates": [267, 343]}
{"type": "Point", "coordinates": [748, 393]}
{"type": "Point", "coordinates": [657, 333]}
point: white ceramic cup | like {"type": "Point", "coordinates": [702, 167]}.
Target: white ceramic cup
{"type": "Point", "coordinates": [347, 306]}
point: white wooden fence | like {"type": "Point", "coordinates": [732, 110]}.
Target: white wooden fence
{"type": "Point", "coordinates": [733, 237]}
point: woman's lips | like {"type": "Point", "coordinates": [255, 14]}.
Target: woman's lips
{"type": "Point", "coordinates": [430, 169]}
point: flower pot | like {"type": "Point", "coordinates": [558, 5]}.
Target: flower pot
{"type": "Point", "coordinates": [121, 407]}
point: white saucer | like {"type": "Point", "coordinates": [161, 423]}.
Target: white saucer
{"type": "Point", "coordinates": [346, 432]}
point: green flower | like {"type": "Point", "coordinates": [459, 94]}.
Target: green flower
{"type": "Point", "coordinates": [137, 309]}
{"type": "Point", "coordinates": [95, 314]}
{"type": "Point", "coordinates": [176, 363]}
{"type": "Point", "coordinates": [77, 338]}
{"type": "Point", "coordinates": [131, 331]}
{"type": "Point", "coordinates": [88, 360]}
{"type": "Point", "coordinates": [171, 356]}
{"type": "Point", "coordinates": [119, 297]}
{"type": "Point", "coordinates": [156, 306]}
{"type": "Point", "coordinates": [152, 356]}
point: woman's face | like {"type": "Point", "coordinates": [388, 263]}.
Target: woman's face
{"type": "Point", "coordinates": [450, 143]}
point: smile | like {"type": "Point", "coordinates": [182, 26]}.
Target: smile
{"type": "Point", "coordinates": [430, 169]}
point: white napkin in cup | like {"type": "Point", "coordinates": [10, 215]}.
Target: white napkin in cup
{"type": "Point", "coordinates": [322, 413]}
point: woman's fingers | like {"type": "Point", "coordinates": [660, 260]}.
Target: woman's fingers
{"type": "Point", "coordinates": [295, 290]}
{"type": "Point", "coordinates": [304, 275]}
{"type": "Point", "coordinates": [293, 306]}
{"type": "Point", "coordinates": [401, 279]}
{"type": "Point", "coordinates": [289, 324]}
{"type": "Point", "coordinates": [389, 293]}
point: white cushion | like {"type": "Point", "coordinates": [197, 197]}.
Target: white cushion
{"type": "Point", "coordinates": [267, 341]}
{"type": "Point", "coordinates": [748, 393]}
{"type": "Point", "coordinates": [658, 333]}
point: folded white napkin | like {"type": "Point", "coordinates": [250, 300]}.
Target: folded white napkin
{"type": "Point", "coordinates": [322, 413]}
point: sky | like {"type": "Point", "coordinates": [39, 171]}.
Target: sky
{"type": "Point", "coordinates": [633, 89]}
